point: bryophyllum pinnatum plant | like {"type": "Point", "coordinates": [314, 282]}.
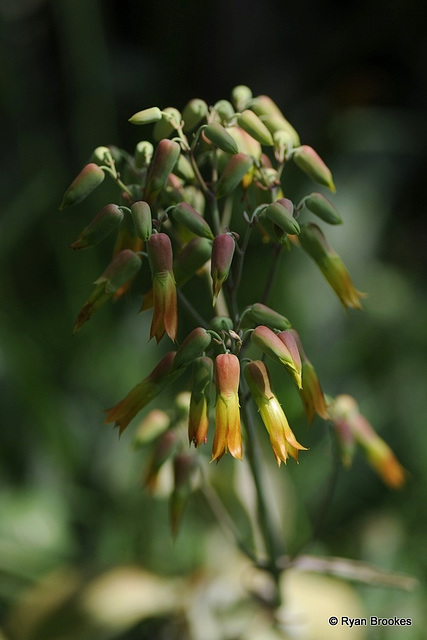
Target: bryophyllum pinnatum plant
{"type": "Point", "coordinates": [180, 198]}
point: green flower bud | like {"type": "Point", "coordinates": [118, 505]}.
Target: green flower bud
{"type": "Point", "coordinates": [224, 109]}
{"type": "Point", "coordinates": [143, 153]}
{"type": "Point", "coordinates": [307, 159]}
{"type": "Point", "coordinates": [217, 134]}
{"type": "Point", "coordinates": [279, 214]}
{"type": "Point", "coordinates": [152, 426]}
{"type": "Point", "coordinates": [222, 255]}
{"type": "Point", "coordinates": [237, 167]}
{"type": "Point", "coordinates": [101, 155]}
{"type": "Point", "coordinates": [146, 116]}
{"type": "Point", "coordinates": [122, 268]}
{"type": "Point", "coordinates": [141, 215]}
{"type": "Point", "coordinates": [184, 170]}
{"type": "Point", "coordinates": [88, 179]}
{"type": "Point", "coordinates": [241, 96]}
{"type": "Point", "coordinates": [251, 123]}
{"type": "Point", "coordinates": [164, 160]}
{"type": "Point", "coordinates": [221, 323]}
{"type": "Point", "coordinates": [192, 347]}
{"type": "Point", "coordinates": [192, 220]}
{"type": "Point", "coordinates": [103, 223]}
{"type": "Point", "coordinates": [260, 314]}
{"type": "Point", "coordinates": [193, 113]}
{"type": "Point", "coordinates": [193, 257]}
{"type": "Point", "coordinates": [322, 208]}
{"type": "Point", "coordinates": [170, 121]}
{"type": "Point", "coordinates": [273, 118]}
{"type": "Point", "coordinates": [185, 469]}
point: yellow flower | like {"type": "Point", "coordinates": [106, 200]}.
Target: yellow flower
{"type": "Point", "coordinates": [165, 315]}
{"type": "Point", "coordinates": [282, 438]}
{"type": "Point", "coordinates": [227, 436]}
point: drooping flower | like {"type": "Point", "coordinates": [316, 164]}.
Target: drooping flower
{"type": "Point", "coordinates": [270, 344]}
{"type": "Point", "coordinates": [123, 412]}
{"type": "Point", "coordinates": [198, 420]}
{"type": "Point", "coordinates": [282, 438]}
{"type": "Point", "coordinates": [351, 426]}
{"type": "Point", "coordinates": [222, 255]}
{"type": "Point", "coordinates": [165, 314]}
{"type": "Point", "coordinates": [227, 436]}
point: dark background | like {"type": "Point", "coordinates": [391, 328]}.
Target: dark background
{"type": "Point", "coordinates": [352, 80]}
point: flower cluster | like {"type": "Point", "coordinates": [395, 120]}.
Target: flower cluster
{"type": "Point", "coordinates": [214, 169]}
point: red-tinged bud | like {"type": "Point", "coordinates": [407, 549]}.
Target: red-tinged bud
{"type": "Point", "coordinates": [121, 269]}
{"type": "Point", "coordinates": [198, 421]}
{"type": "Point", "coordinates": [166, 448]}
{"type": "Point", "coordinates": [280, 215]}
{"type": "Point", "coordinates": [227, 436]}
{"type": "Point", "coordinates": [138, 398]}
{"type": "Point", "coordinates": [222, 255]}
{"type": "Point", "coordinates": [273, 118]}
{"type": "Point", "coordinates": [245, 143]}
{"type": "Point", "coordinates": [142, 219]}
{"type": "Point", "coordinates": [164, 160]}
{"type": "Point", "coordinates": [193, 113]}
{"type": "Point", "coordinates": [143, 153]}
{"type": "Point", "coordinates": [217, 134]}
{"type": "Point", "coordinates": [272, 346]}
{"type": "Point", "coordinates": [259, 313]}
{"type": "Point", "coordinates": [350, 423]}
{"type": "Point", "coordinates": [252, 124]}
{"type": "Point", "coordinates": [191, 259]}
{"type": "Point", "coordinates": [330, 264]}
{"type": "Point", "coordinates": [224, 109]}
{"type": "Point", "coordinates": [311, 394]}
{"type": "Point", "coordinates": [289, 341]}
{"type": "Point", "coordinates": [282, 438]}
{"type": "Point", "coordinates": [236, 169]}
{"type": "Point", "coordinates": [241, 96]}
{"type": "Point", "coordinates": [185, 469]}
{"type": "Point", "coordinates": [152, 426]}
{"type": "Point", "coordinates": [88, 179]}
{"type": "Point", "coordinates": [308, 160]}
{"type": "Point", "coordinates": [192, 347]}
{"type": "Point", "coordinates": [322, 208]}
{"type": "Point", "coordinates": [169, 122]}
{"type": "Point", "coordinates": [146, 116]}
{"type": "Point", "coordinates": [165, 314]}
{"type": "Point", "coordinates": [101, 226]}
{"type": "Point", "coordinates": [186, 215]}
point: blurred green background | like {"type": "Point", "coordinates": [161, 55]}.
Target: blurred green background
{"type": "Point", "coordinates": [84, 551]}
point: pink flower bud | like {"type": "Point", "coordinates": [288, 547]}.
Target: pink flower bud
{"type": "Point", "coordinates": [222, 255]}
{"type": "Point", "coordinates": [165, 315]}
{"type": "Point", "coordinates": [88, 179]}
{"type": "Point", "coordinates": [164, 160]}
{"type": "Point", "coordinates": [101, 226]}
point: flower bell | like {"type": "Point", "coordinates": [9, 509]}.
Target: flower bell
{"type": "Point", "coordinates": [227, 436]}
{"type": "Point", "coordinates": [330, 264]}
{"type": "Point", "coordinates": [350, 425]}
{"type": "Point", "coordinates": [123, 412]}
{"type": "Point", "coordinates": [273, 346]}
{"type": "Point", "coordinates": [198, 420]}
{"type": "Point", "coordinates": [282, 438]}
{"type": "Point", "coordinates": [165, 315]}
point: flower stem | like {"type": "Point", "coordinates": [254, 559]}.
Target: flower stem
{"type": "Point", "coordinates": [273, 543]}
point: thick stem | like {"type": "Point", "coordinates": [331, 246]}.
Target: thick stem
{"type": "Point", "coordinates": [272, 540]}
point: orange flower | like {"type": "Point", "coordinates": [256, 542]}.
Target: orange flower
{"type": "Point", "coordinates": [227, 436]}
{"type": "Point", "coordinates": [198, 420]}
{"type": "Point", "coordinates": [282, 438]}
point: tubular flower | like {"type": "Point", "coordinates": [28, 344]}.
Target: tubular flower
{"type": "Point", "coordinates": [165, 315]}
{"type": "Point", "coordinates": [123, 412]}
{"type": "Point", "coordinates": [222, 255]}
{"type": "Point", "coordinates": [350, 425]}
{"type": "Point", "coordinates": [330, 264]}
{"type": "Point", "coordinates": [271, 344]}
{"type": "Point", "coordinates": [198, 419]}
{"type": "Point", "coordinates": [311, 393]}
{"type": "Point", "coordinates": [227, 436]}
{"type": "Point", "coordinates": [282, 438]}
